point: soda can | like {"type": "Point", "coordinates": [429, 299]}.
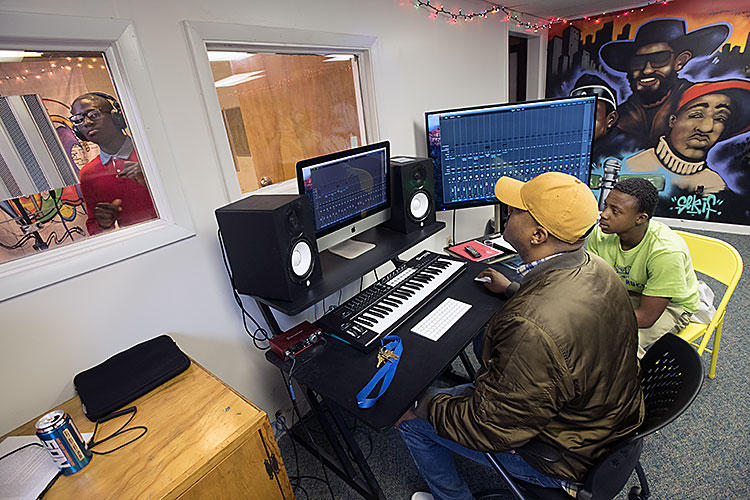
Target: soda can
{"type": "Point", "coordinates": [61, 439]}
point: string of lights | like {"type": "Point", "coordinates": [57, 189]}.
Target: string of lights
{"type": "Point", "coordinates": [515, 16]}
{"type": "Point", "coordinates": [619, 13]}
{"type": "Point", "coordinates": [53, 66]}
{"type": "Point", "coordinates": [458, 15]}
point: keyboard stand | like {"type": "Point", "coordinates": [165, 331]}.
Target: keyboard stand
{"type": "Point", "coordinates": [347, 460]}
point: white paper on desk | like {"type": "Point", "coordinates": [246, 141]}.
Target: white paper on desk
{"type": "Point", "coordinates": [500, 243]}
{"type": "Point", "coordinates": [25, 474]}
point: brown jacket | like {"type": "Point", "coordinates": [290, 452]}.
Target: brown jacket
{"type": "Point", "coordinates": [560, 366]}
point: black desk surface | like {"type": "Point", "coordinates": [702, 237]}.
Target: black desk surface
{"type": "Point", "coordinates": [338, 372]}
{"type": "Point", "coordinates": [339, 272]}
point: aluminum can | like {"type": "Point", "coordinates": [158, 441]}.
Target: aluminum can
{"type": "Point", "coordinates": [61, 439]}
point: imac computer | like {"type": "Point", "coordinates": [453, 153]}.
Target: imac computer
{"type": "Point", "coordinates": [472, 148]}
{"type": "Point", "coordinates": [349, 193]}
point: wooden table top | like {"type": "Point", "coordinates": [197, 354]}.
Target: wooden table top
{"type": "Point", "coordinates": [194, 420]}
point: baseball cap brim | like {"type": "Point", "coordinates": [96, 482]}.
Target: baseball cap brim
{"type": "Point", "coordinates": [508, 191]}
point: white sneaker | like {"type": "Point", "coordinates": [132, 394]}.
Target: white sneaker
{"type": "Point", "coordinates": [421, 495]}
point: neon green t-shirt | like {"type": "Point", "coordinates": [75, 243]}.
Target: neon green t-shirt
{"type": "Point", "coordinates": [659, 266]}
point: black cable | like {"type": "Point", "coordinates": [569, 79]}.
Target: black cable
{"type": "Point", "coordinates": [354, 427]}
{"type": "Point", "coordinates": [20, 448]}
{"type": "Point", "coordinates": [376, 274]}
{"type": "Point", "coordinates": [119, 432]}
{"type": "Point", "coordinates": [258, 329]}
{"type": "Point", "coordinates": [309, 434]}
{"type": "Point", "coordinates": [297, 476]}
{"type": "Point", "coordinates": [49, 485]}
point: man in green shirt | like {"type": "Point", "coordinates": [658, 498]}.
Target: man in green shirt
{"type": "Point", "coordinates": [651, 260]}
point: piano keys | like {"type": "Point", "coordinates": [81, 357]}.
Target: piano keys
{"type": "Point", "coordinates": [384, 305]}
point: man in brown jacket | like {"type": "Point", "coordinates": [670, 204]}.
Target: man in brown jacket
{"type": "Point", "coordinates": [558, 359]}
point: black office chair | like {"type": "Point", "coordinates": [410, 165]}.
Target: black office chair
{"type": "Point", "coordinates": [671, 377]}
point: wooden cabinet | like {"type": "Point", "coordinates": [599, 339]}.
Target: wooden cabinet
{"type": "Point", "coordinates": [204, 442]}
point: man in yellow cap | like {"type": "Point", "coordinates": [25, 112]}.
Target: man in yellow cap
{"type": "Point", "coordinates": [558, 359]}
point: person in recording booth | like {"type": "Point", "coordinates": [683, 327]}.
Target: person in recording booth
{"type": "Point", "coordinates": [559, 361]}
{"type": "Point", "coordinates": [652, 261]}
{"type": "Point", "coordinates": [113, 186]}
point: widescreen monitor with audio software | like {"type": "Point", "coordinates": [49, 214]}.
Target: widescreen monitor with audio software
{"type": "Point", "coordinates": [472, 148]}
{"type": "Point", "coordinates": [349, 193]}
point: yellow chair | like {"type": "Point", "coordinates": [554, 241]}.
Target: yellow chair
{"type": "Point", "coordinates": [719, 260]}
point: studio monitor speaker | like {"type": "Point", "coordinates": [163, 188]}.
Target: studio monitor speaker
{"type": "Point", "coordinates": [412, 194]}
{"type": "Point", "coordinates": [270, 245]}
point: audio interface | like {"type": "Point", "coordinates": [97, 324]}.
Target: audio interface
{"type": "Point", "coordinates": [295, 340]}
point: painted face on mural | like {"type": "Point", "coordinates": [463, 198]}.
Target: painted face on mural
{"type": "Point", "coordinates": [698, 125]}
{"type": "Point", "coordinates": [653, 71]}
{"type": "Point", "coordinates": [604, 120]}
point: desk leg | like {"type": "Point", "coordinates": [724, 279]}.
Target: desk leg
{"type": "Point", "coordinates": [273, 325]}
{"type": "Point", "coordinates": [330, 433]}
{"type": "Point", "coordinates": [356, 452]}
{"type": "Point", "coordinates": [362, 482]}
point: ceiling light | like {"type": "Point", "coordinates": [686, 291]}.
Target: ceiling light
{"type": "Point", "coordinates": [16, 55]}
{"type": "Point", "coordinates": [338, 57]}
{"type": "Point", "coordinates": [239, 78]}
{"type": "Point", "coordinates": [215, 55]}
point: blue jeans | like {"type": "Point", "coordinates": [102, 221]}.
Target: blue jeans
{"type": "Point", "coordinates": [434, 458]}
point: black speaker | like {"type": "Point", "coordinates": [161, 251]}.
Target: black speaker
{"type": "Point", "coordinates": [270, 244]}
{"type": "Point", "coordinates": [412, 194]}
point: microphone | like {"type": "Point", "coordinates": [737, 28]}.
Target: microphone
{"type": "Point", "coordinates": [611, 172]}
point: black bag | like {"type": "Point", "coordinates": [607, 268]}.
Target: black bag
{"type": "Point", "coordinates": [128, 375]}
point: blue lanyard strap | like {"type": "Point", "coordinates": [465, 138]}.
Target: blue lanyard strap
{"type": "Point", "coordinates": [385, 372]}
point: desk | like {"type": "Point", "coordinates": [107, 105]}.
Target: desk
{"type": "Point", "coordinates": [204, 441]}
{"type": "Point", "coordinates": [334, 373]}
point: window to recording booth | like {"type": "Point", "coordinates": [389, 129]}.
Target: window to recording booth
{"type": "Point", "coordinates": [279, 108]}
{"type": "Point", "coordinates": [57, 185]}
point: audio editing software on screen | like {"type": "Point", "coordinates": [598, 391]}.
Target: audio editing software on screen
{"type": "Point", "coordinates": [342, 189]}
{"type": "Point", "coordinates": [477, 147]}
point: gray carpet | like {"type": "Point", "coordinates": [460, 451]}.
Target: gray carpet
{"type": "Point", "coordinates": [704, 454]}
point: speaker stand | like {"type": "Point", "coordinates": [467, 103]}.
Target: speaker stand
{"type": "Point", "coordinates": [351, 249]}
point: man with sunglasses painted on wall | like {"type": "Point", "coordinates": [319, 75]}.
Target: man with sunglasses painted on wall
{"type": "Point", "coordinates": [113, 186]}
{"type": "Point", "coordinates": [608, 141]}
{"type": "Point", "coordinates": [652, 60]}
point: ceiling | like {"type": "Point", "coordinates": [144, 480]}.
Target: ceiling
{"type": "Point", "coordinates": [547, 9]}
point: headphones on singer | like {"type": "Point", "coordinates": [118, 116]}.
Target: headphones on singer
{"type": "Point", "coordinates": [117, 117]}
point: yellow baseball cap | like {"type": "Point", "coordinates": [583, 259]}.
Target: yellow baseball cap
{"type": "Point", "coordinates": [559, 202]}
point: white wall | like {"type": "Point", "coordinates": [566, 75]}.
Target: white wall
{"type": "Point", "coordinates": [51, 334]}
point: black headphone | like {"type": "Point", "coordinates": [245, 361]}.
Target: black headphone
{"type": "Point", "coordinates": [117, 117]}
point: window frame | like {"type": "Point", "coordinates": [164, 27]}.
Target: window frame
{"type": "Point", "coordinates": [264, 39]}
{"type": "Point", "coordinates": [117, 39]}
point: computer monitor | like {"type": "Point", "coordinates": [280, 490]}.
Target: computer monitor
{"type": "Point", "coordinates": [349, 193]}
{"type": "Point", "coordinates": [472, 148]}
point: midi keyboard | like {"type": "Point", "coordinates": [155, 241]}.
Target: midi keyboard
{"type": "Point", "coordinates": [383, 306]}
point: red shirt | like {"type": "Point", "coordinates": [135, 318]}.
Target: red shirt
{"type": "Point", "coordinates": [100, 184]}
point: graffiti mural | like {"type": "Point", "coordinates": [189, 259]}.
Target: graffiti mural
{"type": "Point", "coordinates": [673, 89]}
